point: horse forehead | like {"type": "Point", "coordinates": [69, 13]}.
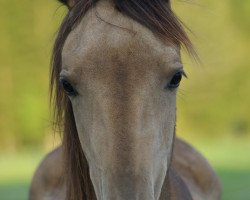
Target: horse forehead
{"type": "Point", "coordinates": [105, 35]}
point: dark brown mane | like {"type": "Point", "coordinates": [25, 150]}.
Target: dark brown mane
{"type": "Point", "coordinates": [155, 15]}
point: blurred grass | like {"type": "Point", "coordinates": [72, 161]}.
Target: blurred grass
{"type": "Point", "coordinates": [234, 171]}
{"type": "Point", "coordinates": [16, 172]}
{"type": "Point", "coordinates": [14, 191]}
{"type": "Point", "coordinates": [229, 157]}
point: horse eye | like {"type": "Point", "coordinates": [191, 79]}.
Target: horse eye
{"type": "Point", "coordinates": [69, 90]}
{"type": "Point", "coordinates": [175, 81]}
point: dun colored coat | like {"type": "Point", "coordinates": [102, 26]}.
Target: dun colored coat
{"type": "Point", "coordinates": [115, 74]}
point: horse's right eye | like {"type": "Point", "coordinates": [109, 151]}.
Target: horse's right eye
{"type": "Point", "coordinates": [68, 88]}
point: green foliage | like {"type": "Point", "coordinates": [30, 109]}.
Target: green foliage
{"type": "Point", "coordinates": [26, 37]}
{"type": "Point", "coordinates": [213, 102]}
{"type": "Point", "coordinates": [241, 14]}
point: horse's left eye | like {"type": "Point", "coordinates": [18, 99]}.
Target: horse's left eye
{"type": "Point", "coordinates": [175, 81]}
{"type": "Point", "coordinates": [68, 88]}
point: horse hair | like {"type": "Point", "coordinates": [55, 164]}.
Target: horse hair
{"type": "Point", "coordinates": [153, 14]}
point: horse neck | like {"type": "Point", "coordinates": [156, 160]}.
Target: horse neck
{"type": "Point", "coordinates": [174, 187]}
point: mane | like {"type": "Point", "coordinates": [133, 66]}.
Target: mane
{"type": "Point", "coordinates": [157, 16]}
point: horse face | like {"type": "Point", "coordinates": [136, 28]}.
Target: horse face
{"type": "Point", "coordinates": [122, 85]}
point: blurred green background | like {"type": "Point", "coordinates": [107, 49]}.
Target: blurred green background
{"type": "Point", "coordinates": [213, 103]}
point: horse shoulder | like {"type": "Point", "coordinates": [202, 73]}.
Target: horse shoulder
{"type": "Point", "coordinates": [48, 183]}
{"type": "Point", "coordinates": [196, 172]}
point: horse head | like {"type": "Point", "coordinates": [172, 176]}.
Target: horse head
{"type": "Point", "coordinates": [116, 72]}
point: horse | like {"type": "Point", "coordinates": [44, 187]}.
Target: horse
{"type": "Point", "coordinates": [116, 69]}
